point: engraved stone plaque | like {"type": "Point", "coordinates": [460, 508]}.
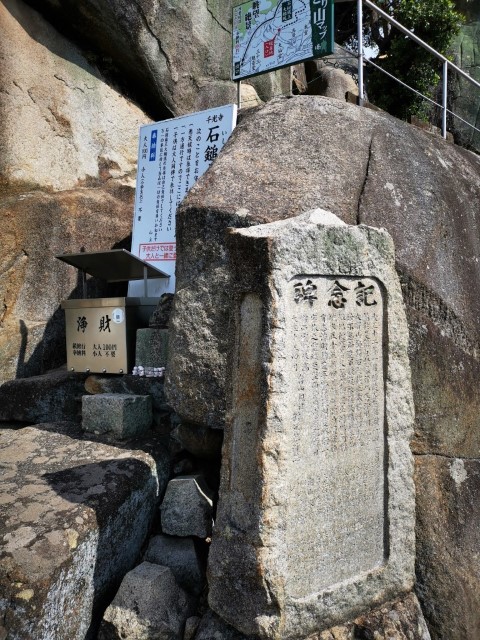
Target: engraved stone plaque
{"type": "Point", "coordinates": [336, 370]}
{"type": "Point", "coordinates": [315, 521]}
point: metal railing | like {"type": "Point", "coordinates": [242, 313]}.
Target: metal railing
{"type": "Point", "coordinates": [446, 64]}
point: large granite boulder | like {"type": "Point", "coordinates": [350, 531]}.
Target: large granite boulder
{"type": "Point", "coordinates": [366, 167]}
{"type": "Point", "coordinates": [291, 156]}
{"type": "Point", "coordinates": [74, 515]}
{"type": "Point", "coordinates": [175, 56]}
{"type": "Point", "coordinates": [68, 147]}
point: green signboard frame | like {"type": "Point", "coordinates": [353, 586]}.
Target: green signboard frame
{"type": "Point", "coordinates": [273, 34]}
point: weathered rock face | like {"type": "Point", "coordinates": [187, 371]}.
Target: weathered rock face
{"type": "Point", "coordinates": [365, 167]}
{"type": "Point", "coordinates": [74, 515]}
{"type": "Point", "coordinates": [175, 55]}
{"type": "Point", "coordinates": [68, 149]}
{"type": "Point", "coordinates": [448, 540]}
{"type": "Point", "coordinates": [400, 619]}
{"type": "Point", "coordinates": [302, 443]}
{"type": "Point", "coordinates": [36, 226]}
{"type": "Point", "coordinates": [389, 175]}
{"type": "Point", "coordinates": [62, 125]}
{"type": "Point", "coordinates": [53, 397]}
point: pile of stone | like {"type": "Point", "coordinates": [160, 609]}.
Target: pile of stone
{"type": "Point", "coordinates": [123, 498]}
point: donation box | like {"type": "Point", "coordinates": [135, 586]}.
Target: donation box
{"type": "Point", "coordinates": [101, 332]}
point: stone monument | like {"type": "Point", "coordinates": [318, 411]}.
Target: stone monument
{"type": "Point", "coordinates": [315, 522]}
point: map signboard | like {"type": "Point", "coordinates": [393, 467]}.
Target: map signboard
{"type": "Point", "coordinates": [270, 34]}
{"type": "Point", "coordinates": [172, 155]}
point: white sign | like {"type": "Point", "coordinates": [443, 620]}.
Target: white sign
{"type": "Point", "coordinates": [172, 155]}
{"type": "Point", "coordinates": [270, 34]}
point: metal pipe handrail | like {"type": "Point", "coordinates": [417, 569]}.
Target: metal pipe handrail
{"type": "Point", "coordinates": [433, 102]}
{"type": "Point", "coordinates": [445, 61]}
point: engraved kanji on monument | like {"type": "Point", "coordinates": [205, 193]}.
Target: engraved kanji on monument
{"type": "Point", "coordinates": [315, 521]}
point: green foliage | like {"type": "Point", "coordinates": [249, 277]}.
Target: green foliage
{"type": "Point", "coordinates": [434, 21]}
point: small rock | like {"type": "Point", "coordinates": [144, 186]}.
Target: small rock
{"type": "Point", "coordinates": [180, 556]}
{"type": "Point", "coordinates": [148, 605]}
{"type": "Point", "coordinates": [187, 507]}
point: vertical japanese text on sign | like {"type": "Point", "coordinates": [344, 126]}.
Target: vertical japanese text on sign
{"type": "Point", "coordinates": [173, 154]}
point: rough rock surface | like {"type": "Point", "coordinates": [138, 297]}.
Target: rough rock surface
{"type": "Point", "coordinates": [187, 507]}
{"type": "Point", "coordinates": [466, 101]}
{"type": "Point", "coordinates": [284, 465]}
{"type": "Point", "coordinates": [179, 554]}
{"type": "Point", "coordinates": [68, 148]}
{"type": "Point", "coordinates": [448, 543]}
{"type": "Point", "coordinates": [391, 175]}
{"type": "Point", "coordinates": [51, 397]}
{"type": "Point", "coordinates": [148, 606]}
{"type": "Point", "coordinates": [73, 515]}
{"type": "Point", "coordinates": [36, 226]}
{"type": "Point", "coordinates": [365, 167]}
{"type": "Point", "coordinates": [400, 619]}
{"type": "Point", "coordinates": [62, 125]}
{"type": "Point", "coordinates": [175, 55]}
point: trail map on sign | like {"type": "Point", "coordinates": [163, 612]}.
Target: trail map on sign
{"type": "Point", "coordinates": [269, 34]}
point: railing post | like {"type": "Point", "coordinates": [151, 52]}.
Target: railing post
{"type": "Point", "coordinates": [444, 98]}
{"type": "Point", "coordinates": [360, 50]}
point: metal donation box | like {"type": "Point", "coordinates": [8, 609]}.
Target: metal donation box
{"type": "Point", "coordinates": [101, 332]}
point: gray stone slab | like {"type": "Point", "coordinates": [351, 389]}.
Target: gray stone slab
{"type": "Point", "coordinates": [187, 507]}
{"type": "Point", "coordinates": [315, 521]}
{"type": "Point", "coordinates": [122, 415]}
{"type": "Point", "coordinates": [179, 554]}
{"type": "Point", "coordinates": [74, 515]}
